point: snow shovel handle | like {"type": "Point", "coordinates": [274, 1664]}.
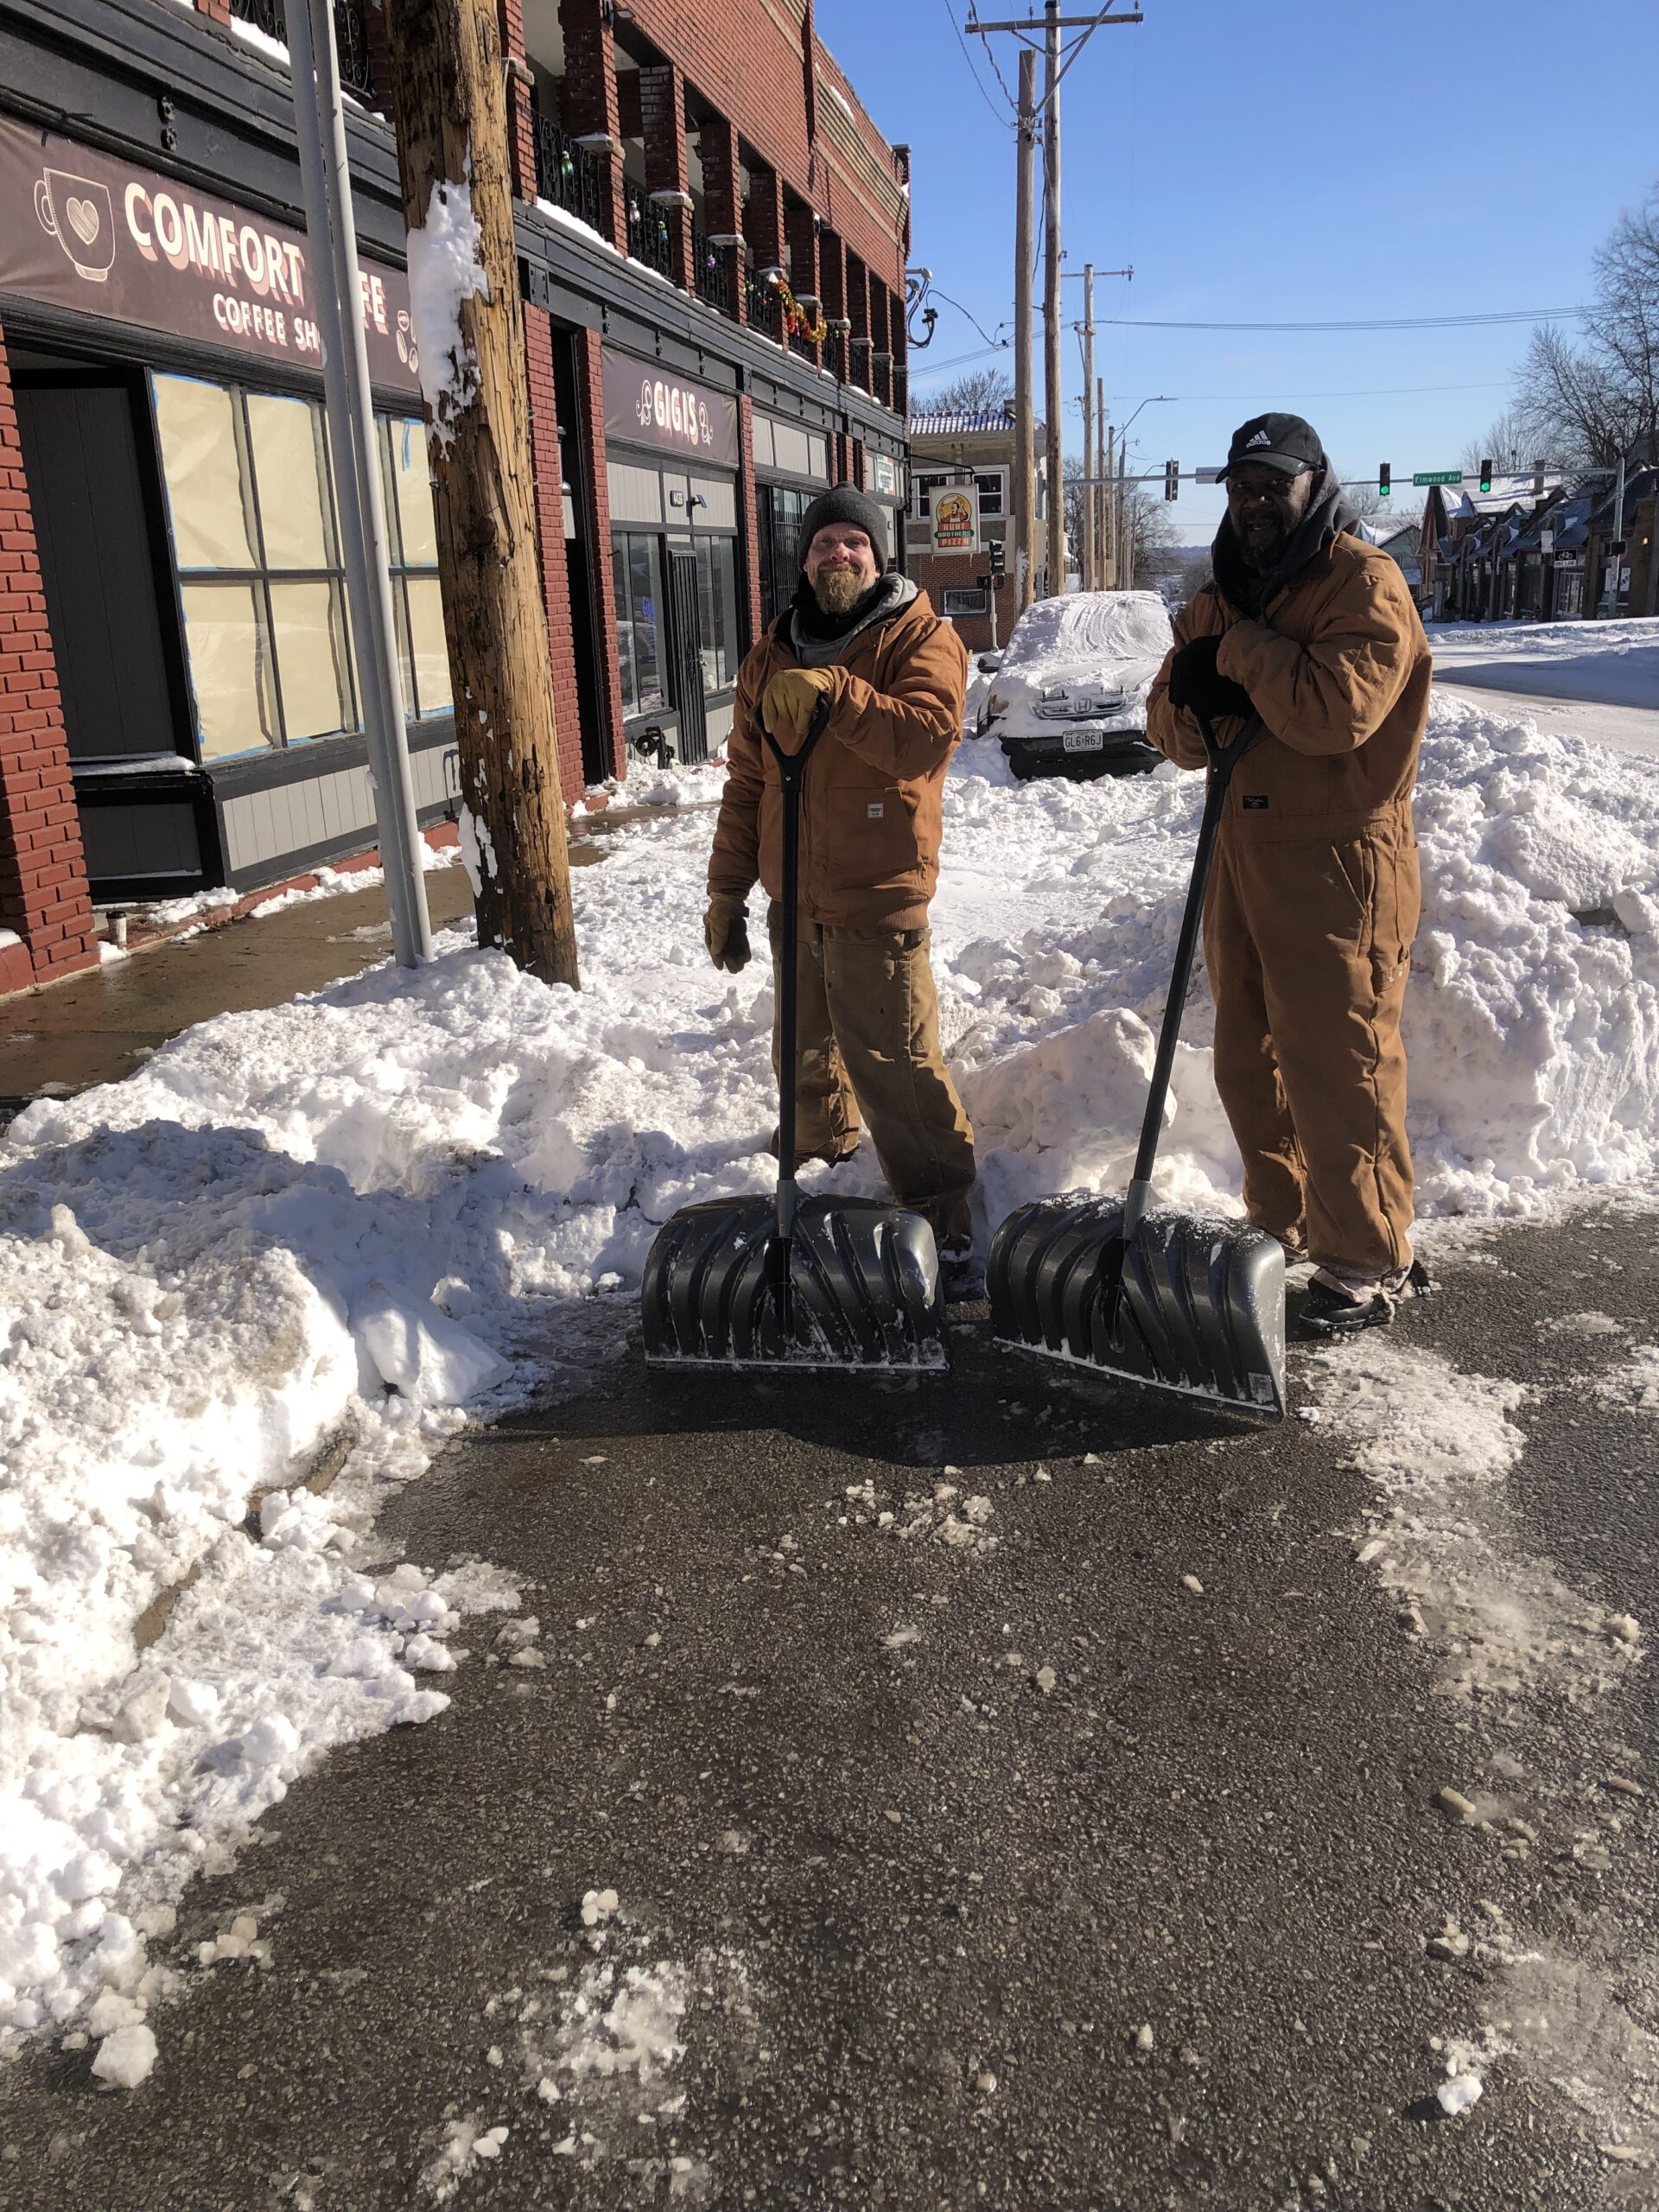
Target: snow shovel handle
{"type": "Point", "coordinates": [1223, 759]}
{"type": "Point", "coordinates": [791, 773]}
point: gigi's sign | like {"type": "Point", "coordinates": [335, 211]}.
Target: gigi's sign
{"type": "Point", "coordinates": [80, 230]}
{"type": "Point", "coordinates": [646, 405]}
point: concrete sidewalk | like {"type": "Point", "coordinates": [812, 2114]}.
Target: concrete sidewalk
{"type": "Point", "coordinates": [1091, 1859]}
{"type": "Point", "coordinates": [98, 1026]}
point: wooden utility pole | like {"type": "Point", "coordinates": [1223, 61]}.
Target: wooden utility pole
{"type": "Point", "coordinates": [1113, 579]}
{"type": "Point", "coordinates": [449, 99]}
{"type": "Point", "coordinates": [1108, 579]}
{"type": "Point", "coordinates": [1053, 400]}
{"type": "Point", "coordinates": [1025, 487]}
{"type": "Point", "coordinates": [1090, 579]}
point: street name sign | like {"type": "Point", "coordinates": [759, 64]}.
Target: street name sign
{"type": "Point", "coordinates": [1438, 476]}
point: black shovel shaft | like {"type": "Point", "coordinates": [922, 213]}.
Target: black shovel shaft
{"type": "Point", "coordinates": [791, 773]}
{"type": "Point", "coordinates": [1223, 759]}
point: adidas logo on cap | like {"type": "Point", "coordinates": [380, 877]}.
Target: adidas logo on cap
{"type": "Point", "coordinates": [1259, 439]}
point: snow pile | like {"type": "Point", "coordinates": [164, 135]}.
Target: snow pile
{"type": "Point", "coordinates": [323, 1228]}
{"type": "Point", "coordinates": [444, 273]}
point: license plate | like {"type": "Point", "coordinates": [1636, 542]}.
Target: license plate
{"type": "Point", "coordinates": [1083, 741]}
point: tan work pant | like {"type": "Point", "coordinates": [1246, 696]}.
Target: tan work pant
{"type": "Point", "coordinates": [1309, 949]}
{"type": "Point", "coordinates": [868, 1039]}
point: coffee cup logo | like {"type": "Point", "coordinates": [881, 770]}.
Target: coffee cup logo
{"type": "Point", "coordinates": [77, 212]}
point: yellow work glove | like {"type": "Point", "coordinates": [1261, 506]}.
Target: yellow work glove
{"type": "Point", "coordinates": [791, 700]}
{"type": "Point", "coordinates": [725, 933]}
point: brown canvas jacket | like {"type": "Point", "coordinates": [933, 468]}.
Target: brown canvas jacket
{"type": "Point", "coordinates": [871, 816]}
{"type": "Point", "coordinates": [1338, 670]}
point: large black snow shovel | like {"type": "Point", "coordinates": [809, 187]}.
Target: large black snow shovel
{"type": "Point", "coordinates": [1148, 1296]}
{"type": "Point", "coordinates": [794, 1282]}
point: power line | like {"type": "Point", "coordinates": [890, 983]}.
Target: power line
{"type": "Point", "coordinates": [974, 319]}
{"type": "Point", "coordinates": [1369, 391]}
{"type": "Point", "coordinates": [977, 78]}
{"type": "Point", "coordinates": [1400, 322]}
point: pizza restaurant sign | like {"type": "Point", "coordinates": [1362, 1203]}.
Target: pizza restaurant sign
{"type": "Point", "coordinates": [953, 517]}
{"type": "Point", "coordinates": [79, 229]}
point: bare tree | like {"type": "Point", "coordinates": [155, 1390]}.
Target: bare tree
{"type": "Point", "coordinates": [1503, 444]}
{"type": "Point", "coordinates": [1149, 535]}
{"type": "Point", "coordinates": [1578, 405]}
{"type": "Point", "coordinates": [979, 391]}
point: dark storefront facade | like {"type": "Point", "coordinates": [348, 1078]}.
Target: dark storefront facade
{"type": "Point", "coordinates": [182, 708]}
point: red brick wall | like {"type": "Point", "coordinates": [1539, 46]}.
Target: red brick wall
{"type": "Point", "coordinates": [43, 892]}
{"type": "Point", "coordinates": [961, 571]}
{"type": "Point", "coordinates": [550, 528]}
{"type": "Point", "coordinates": [751, 539]}
{"type": "Point", "coordinates": [747, 59]}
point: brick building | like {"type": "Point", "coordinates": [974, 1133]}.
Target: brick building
{"type": "Point", "coordinates": [956, 449]}
{"type": "Point", "coordinates": [712, 246]}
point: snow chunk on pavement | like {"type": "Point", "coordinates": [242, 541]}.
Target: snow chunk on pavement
{"type": "Point", "coordinates": [125, 2058]}
{"type": "Point", "coordinates": [420, 1352]}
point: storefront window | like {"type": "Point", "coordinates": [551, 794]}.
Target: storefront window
{"type": "Point", "coordinates": [251, 513]}
{"type": "Point", "coordinates": [412, 556]}
{"type": "Point", "coordinates": [250, 503]}
{"type": "Point", "coordinates": [717, 610]}
{"type": "Point", "coordinates": [637, 566]}
{"type": "Point", "coordinates": [779, 514]}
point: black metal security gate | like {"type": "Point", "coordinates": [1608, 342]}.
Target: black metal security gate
{"type": "Point", "coordinates": [685, 643]}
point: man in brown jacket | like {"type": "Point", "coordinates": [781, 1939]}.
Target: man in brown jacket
{"type": "Point", "coordinates": [1313, 899]}
{"type": "Point", "coordinates": [869, 1037]}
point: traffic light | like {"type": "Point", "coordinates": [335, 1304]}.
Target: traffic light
{"type": "Point", "coordinates": [999, 558]}
{"type": "Point", "coordinates": [1485, 475]}
{"type": "Point", "coordinates": [1171, 480]}
{"type": "Point", "coordinates": [1383, 476]}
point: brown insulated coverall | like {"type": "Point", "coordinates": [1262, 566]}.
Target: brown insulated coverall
{"type": "Point", "coordinates": [871, 824]}
{"type": "Point", "coordinates": [1314, 897]}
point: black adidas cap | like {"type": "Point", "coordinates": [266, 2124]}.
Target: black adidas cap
{"type": "Point", "coordinates": [1283, 441]}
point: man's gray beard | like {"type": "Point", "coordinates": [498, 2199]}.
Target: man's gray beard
{"type": "Point", "coordinates": [837, 590]}
{"type": "Point", "coordinates": [1263, 563]}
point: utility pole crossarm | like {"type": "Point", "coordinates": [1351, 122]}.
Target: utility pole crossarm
{"type": "Point", "coordinates": [1029, 23]}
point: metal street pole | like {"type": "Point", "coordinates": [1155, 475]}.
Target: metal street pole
{"type": "Point", "coordinates": [325, 183]}
{"type": "Point", "coordinates": [1025, 488]}
{"type": "Point", "coordinates": [1102, 493]}
{"type": "Point", "coordinates": [1618, 535]}
{"type": "Point", "coordinates": [1053, 399]}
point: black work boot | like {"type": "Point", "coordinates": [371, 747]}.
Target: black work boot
{"type": "Point", "coordinates": [1334, 1308]}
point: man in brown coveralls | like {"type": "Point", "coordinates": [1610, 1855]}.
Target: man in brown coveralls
{"type": "Point", "coordinates": [1313, 899]}
{"type": "Point", "coordinates": [871, 821]}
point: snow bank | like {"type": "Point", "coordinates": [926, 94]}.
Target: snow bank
{"type": "Point", "coordinates": [1615, 663]}
{"type": "Point", "coordinates": [329, 1225]}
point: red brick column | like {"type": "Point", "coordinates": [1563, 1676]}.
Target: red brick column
{"type": "Point", "coordinates": [589, 102]}
{"type": "Point", "coordinates": [662, 125]}
{"type": "Point", "coordinates": [722, 193]}
{"type": "Point", "coordinates": [590, 430]}
{"type": "Point", "coordinates": [746, 499]}
{"type": "Point", "coordinates": [549, 531]}
{"type": "Point", "coordinates": [521, 129]}
{"type": "Point", "coordinates": [880, 334]}
{"type": "Point", "coordinates": [218, 10]}
{"type": "Point", "coordinates": [44, 898]}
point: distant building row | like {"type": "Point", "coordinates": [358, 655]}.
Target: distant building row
{"type": "Point", "coordinates": [1508, 553]}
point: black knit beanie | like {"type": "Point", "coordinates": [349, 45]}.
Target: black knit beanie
{"type": "Point", "coordinates": [849, 504]}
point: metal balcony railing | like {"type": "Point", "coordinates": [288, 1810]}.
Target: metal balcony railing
{"type": "Point", "coordinates": [766, 310]}
{"type": "Point", "coordinates": [569, 174]}
{"type": "Point", "coordinates": [651, 236]}
{"type": "Point", "coordinates": [711, 271]}
{"type": "Point", "coordinates": [801, 344]}
{"type": "Point", "coordinates": [351, 38]}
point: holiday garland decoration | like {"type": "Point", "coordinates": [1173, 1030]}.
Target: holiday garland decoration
{"type": "Point", "coordinates": [797, 322]}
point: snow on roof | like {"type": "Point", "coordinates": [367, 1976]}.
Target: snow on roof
{"type": "Point", "coordinates": [956, 426]}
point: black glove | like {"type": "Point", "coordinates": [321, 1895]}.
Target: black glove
{"type": "Point", "coordinates": [1196, 685]}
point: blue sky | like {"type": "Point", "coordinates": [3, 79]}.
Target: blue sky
{"type": "Point", "coordinates": [1295, 160]}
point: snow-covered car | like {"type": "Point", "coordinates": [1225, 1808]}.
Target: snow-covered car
{"type": "Point", "coordinates": [1069, 697]}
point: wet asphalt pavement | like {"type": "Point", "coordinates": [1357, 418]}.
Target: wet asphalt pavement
{"type": "Point", "coordinates": [1021, 1874]}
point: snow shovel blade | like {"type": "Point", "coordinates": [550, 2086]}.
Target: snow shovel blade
{"type": "Point", "coordinates": [862, 1288]}
{"type": "Point", "coordinates": [1188, 1304]}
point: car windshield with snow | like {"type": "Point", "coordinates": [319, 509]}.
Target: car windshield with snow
{"type": "Point", "coordinates": [1069, 696]}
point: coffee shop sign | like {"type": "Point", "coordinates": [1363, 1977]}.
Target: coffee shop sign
{"type": "Point", "coordinates": [674, 409]}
